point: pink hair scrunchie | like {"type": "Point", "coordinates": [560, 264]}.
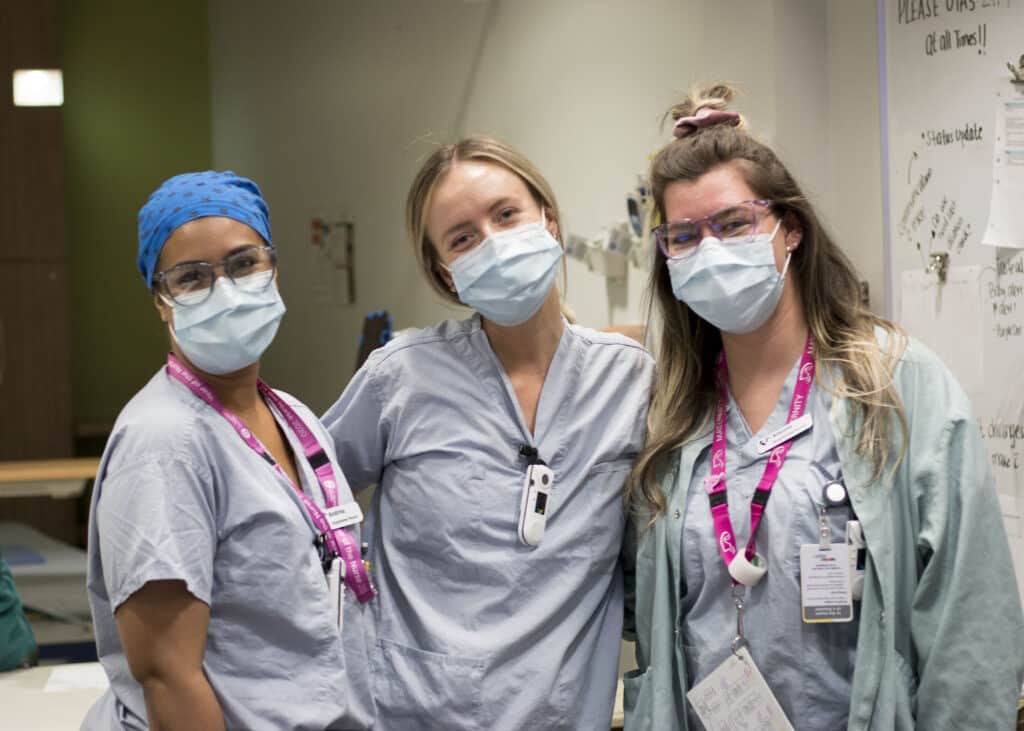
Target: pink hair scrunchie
{"type": "Point", "coordinates": [705, 117]}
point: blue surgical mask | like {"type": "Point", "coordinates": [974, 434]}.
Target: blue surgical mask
{"type": "Point", "coordinates": [731, 283]}
{"type": "Point", "coordinates": [510, 274]}
{"type": "Point", "coordinates": [231, 328]}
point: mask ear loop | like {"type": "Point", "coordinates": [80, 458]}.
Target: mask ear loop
{"type": "Point", "coordinates": [785, 266]}
{"type": "Point", "coordinates": [789, 251]}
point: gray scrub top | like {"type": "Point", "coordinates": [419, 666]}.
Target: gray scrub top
{"type": "Point", "coordinates": [179, 495]}
{"type": "Point", "coordinates": [475, 630]}
{"type": "Point", "coordinates": [809, 667]}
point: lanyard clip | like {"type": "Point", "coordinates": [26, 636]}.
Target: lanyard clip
{"type": "Point", "coordinates": [325, 554]}
{"type": "Point", "coordinates": [824, 532]}
{"type": "Point", "coordinates": [738, 593]}
{"type": "Point", "coordinates": [531, 454]}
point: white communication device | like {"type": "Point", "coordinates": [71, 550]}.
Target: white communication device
{"type": "Point", "coordinates": [857, 553]}
{"type": "Point", "coordinates": [533, 507]}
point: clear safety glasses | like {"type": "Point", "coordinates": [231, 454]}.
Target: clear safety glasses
{"type": "Point", "coordinates": [191, 283]}
{"type": "Point", "coordinates": [739, 222]}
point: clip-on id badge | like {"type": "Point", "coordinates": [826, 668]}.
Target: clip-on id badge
{"type": "Point", "coordinates": [748, 703]}
{"type": "Point", "coordinates": [825, 571]}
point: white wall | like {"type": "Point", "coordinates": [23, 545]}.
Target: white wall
{"type": "Point", "coordinates": [854, 149]}
{"type": "Point", "coordinates": [331, 106]}
{"type": "Point", "coordinates": [321, 104]}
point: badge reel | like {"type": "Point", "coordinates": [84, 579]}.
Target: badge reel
{"type": "Point", "coordinates": [835, 496]}
{"type": "Point", "coordinates": [825, 568]}
{"type": "Point", "coordinates": [533, 506]}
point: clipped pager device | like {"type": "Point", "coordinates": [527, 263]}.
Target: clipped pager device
{"type": "Point", "coordinates": [533, 506]}
{"type": "Point", "coordinates": [858, 555]}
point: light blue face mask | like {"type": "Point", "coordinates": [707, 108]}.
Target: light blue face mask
{"type": "Point", "coordinates": [508, 276]}
{"type": "Point", "coordinates": [230, 329]}
{"type": "Point", "coordinates": [731, 283]}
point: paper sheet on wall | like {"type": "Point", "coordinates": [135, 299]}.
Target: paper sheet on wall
{"type": "Point", "coordinates": [934, 312]}
{"type": "Point", "coordinates": [1006, 208]}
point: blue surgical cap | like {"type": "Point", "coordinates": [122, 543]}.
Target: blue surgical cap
{"type": "Point", "coordinates": [187, 197]}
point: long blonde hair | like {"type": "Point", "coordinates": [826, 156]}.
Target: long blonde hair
{"type": "Point", "coordinates": [481, 149]}
{"type": "Point", "coordinates": [843, 329]}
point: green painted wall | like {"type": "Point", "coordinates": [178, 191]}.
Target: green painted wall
{"type": "Point", "coordinates": [136, 111]}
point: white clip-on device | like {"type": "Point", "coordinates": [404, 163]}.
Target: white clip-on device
{"type": "Point", "coordinates": [533, 506]}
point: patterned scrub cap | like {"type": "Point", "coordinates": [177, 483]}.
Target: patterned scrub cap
{"type": "Point", "coordinates": [189, 196]}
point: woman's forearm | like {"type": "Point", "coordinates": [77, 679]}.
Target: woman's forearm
{"type": "Point", "coordinates": [182, 702]}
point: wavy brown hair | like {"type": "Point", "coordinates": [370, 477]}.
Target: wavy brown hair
{"type": "Point", "coordinates": [856, 367]}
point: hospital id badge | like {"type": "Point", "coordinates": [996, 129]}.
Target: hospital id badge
{"type": "Point", "coordinates": [342, 516]}
{"type": "Point", "coordinates": [736, 696]}
{"type": "Point", "coordinates": [825, 583]}
{"type": "Point", "coordinates": [336, 591]}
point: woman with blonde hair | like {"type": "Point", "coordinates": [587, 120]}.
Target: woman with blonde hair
{"type": "Point", "coordinates": [814, 504]}
{"type": "Point", "coordinates": [500, 445]}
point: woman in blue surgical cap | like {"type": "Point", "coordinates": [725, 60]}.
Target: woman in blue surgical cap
{"type": "Point", "coordinates": [500, 445]}
{"type": "Point", "coordinates": [223, 542]}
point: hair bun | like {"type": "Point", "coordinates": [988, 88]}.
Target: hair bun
{"type": "Point", "coordinates": [705, 106]}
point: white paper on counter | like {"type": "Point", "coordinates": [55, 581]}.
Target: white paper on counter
{"type": "Point", "coordinates": [79, 676]}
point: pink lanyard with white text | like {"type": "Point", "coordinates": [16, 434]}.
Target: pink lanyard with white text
{"type": "Point", "coordinates": [339, 541]}
{"type": "Point", "coordinates": [716, 480]}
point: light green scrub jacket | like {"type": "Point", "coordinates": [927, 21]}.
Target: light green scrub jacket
{"type": "Point", "coordinates": [941, 636]}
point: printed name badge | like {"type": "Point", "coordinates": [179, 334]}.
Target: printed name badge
{"type": "Point", "coordinates": [784, 434]}
{"type": "Point", "coordinates": [343, 516]}
{"type": "Point", "coordinates": [736, 696]}
{"type": "Point", "coordinates": [825, 583]}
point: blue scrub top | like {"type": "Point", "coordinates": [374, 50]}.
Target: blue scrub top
{"type": "Point", "coordinates": [179, 495]}
{"type": "Point", "coordinates": [475, 630]}
{"type": "Point", "coordinates": [809, 667]}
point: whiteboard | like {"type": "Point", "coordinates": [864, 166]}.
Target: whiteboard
{"type": "Point", "coordinates": [945, 85]}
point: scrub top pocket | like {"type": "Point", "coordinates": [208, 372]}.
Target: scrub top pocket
{"type": "Point", "coordinates": [427, 690]}
{"type": "Point", "coordinates": [603, 491]}
{"type": "Point", "coordinates": [636, 694]}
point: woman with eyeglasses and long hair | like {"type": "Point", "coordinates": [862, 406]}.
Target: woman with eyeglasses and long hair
{"type": "Point", "coordinates": [224, 546]}
{"type": "Point", "coordinates": [500, 445]}
{"type": "Point", "coordinates": [814, 504]}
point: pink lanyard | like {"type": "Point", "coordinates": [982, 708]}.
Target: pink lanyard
{"type": "Point", "coordinates": [339, 541]}
{"type": "Point", "coordinates": [715, 482]}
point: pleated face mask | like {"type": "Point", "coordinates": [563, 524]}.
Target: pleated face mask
{"type": "Point", "coordinates": [510, 274]}
{"type": "Point", "coordinates": [232, 327]}
{"type": "Point", "coordinates": [731, 283]}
